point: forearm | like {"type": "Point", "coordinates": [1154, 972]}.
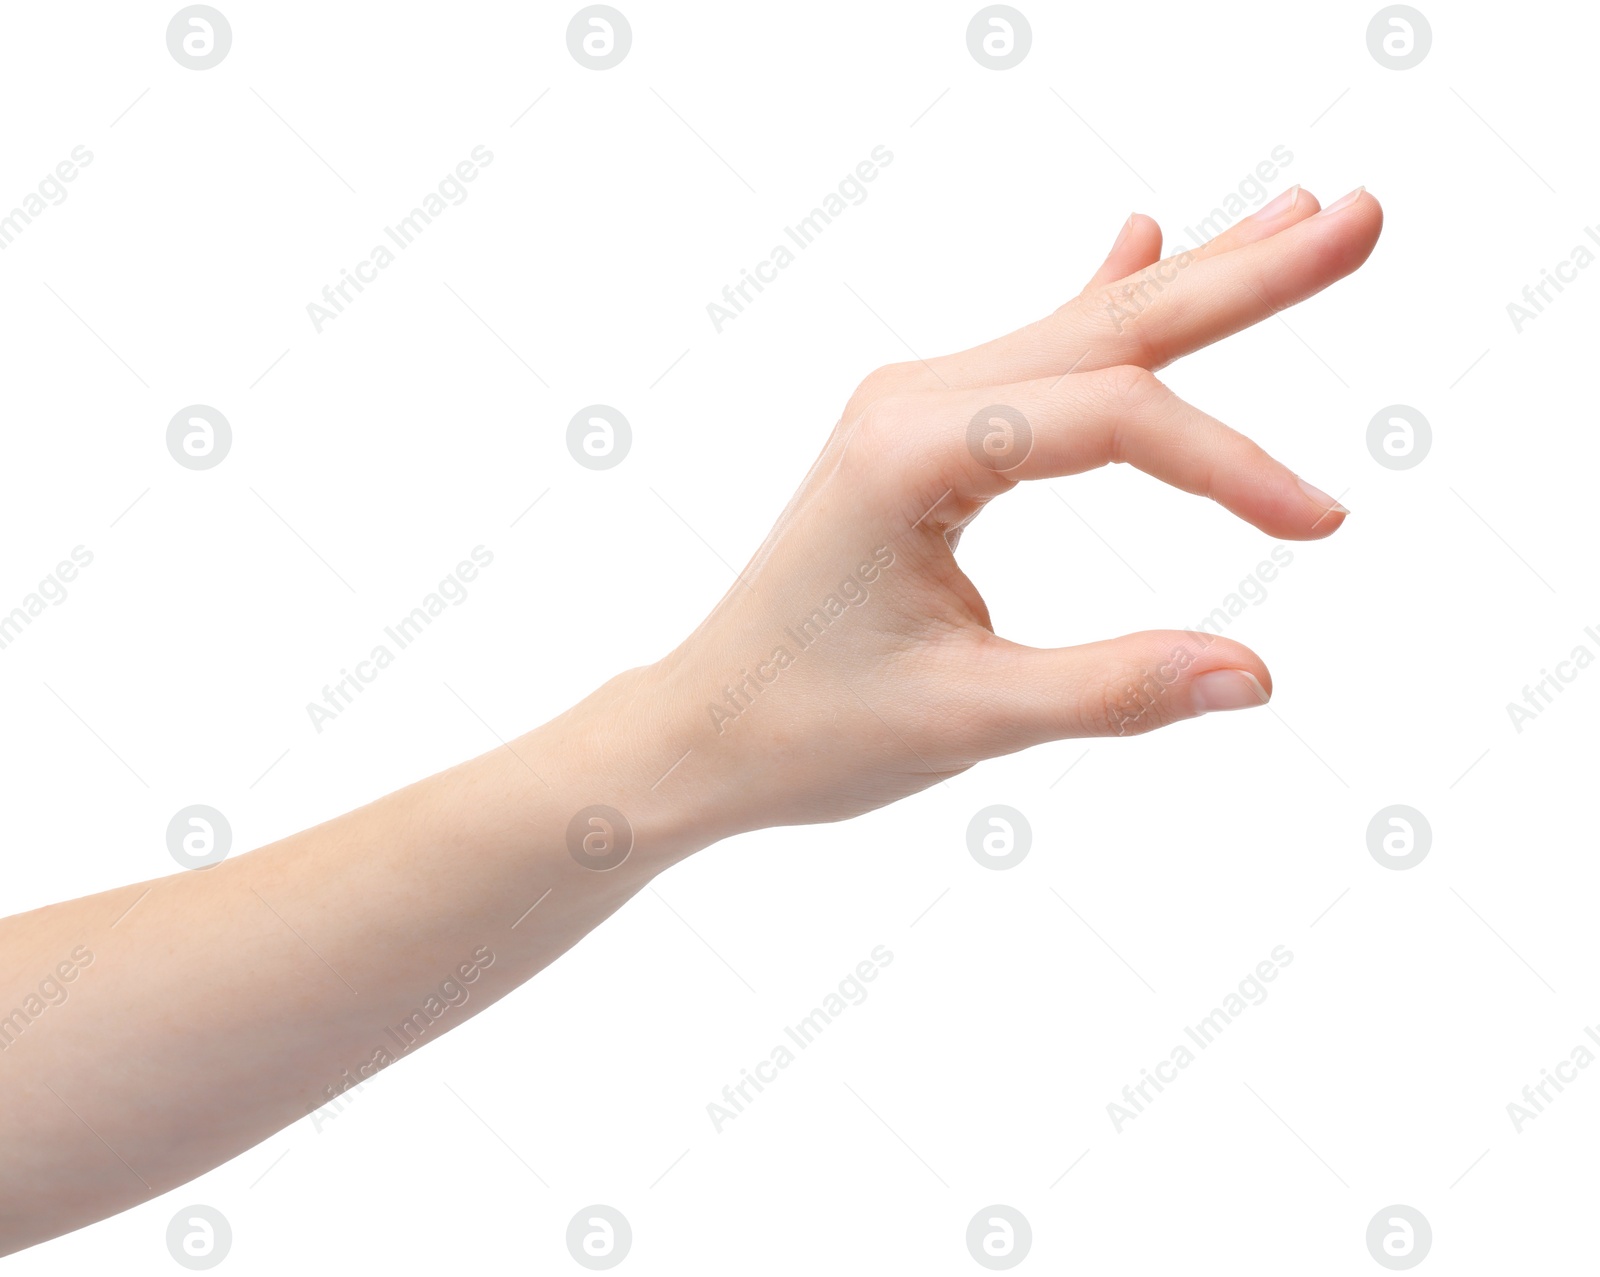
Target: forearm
{"type": "Point", "coordinates": [218, 1005]}
{"type": "Point", "coordinates": [851, 663]}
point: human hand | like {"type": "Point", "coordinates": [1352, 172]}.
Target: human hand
{"type": "Point", "coordinates": [854, 663]}
{"type": "Point", "coordinates": [851, 664]}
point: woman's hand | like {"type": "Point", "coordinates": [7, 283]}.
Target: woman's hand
{"type": "Point", "coordinates": [853, 662]}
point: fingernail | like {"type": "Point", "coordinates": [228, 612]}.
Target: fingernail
{"type": "Point", "coordinates": [1324, 502]}
{"type": "Point", "coordinates": [1227, 689]}
{"type": "Point", "coordinates": [1123, 234]}
{"type": "Point", "coordinates": [1282, 204]}
{"type": "Point", "coordinates": [1343, 203]}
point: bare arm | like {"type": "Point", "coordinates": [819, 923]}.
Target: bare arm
{"type": "Point", "coordinates": [851, 664]}
{"type": "Point", "coordinates": [203, 1011]}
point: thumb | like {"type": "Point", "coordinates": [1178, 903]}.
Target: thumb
{"type": "Point", "coordinates": [1118, 687]}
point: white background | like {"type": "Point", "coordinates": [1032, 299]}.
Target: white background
{"type": "Point", "coordinates": [368, 459]}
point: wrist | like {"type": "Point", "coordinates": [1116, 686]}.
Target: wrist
{"type": "Point", "coordinates": [624, 759]}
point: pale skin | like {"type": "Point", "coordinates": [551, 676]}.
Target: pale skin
{"type": "Point", "coordinates": [228, 1002]}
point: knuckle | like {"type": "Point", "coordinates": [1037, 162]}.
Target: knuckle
{"type": "Point", "coordinates": [1125, 308]}
{"type": "Point", "coordinates": [875, 386]}
{"type": "Point", "coordinates": [1132, 386]}
{"type": "Point", "coordinates": [878, 430]}
{"type": "Point", "coordinates": [1138, 701]}
{"type": "Point", "coordinates": [894, 423]}
{"type": "Point", "coordinates": [892, 377]}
